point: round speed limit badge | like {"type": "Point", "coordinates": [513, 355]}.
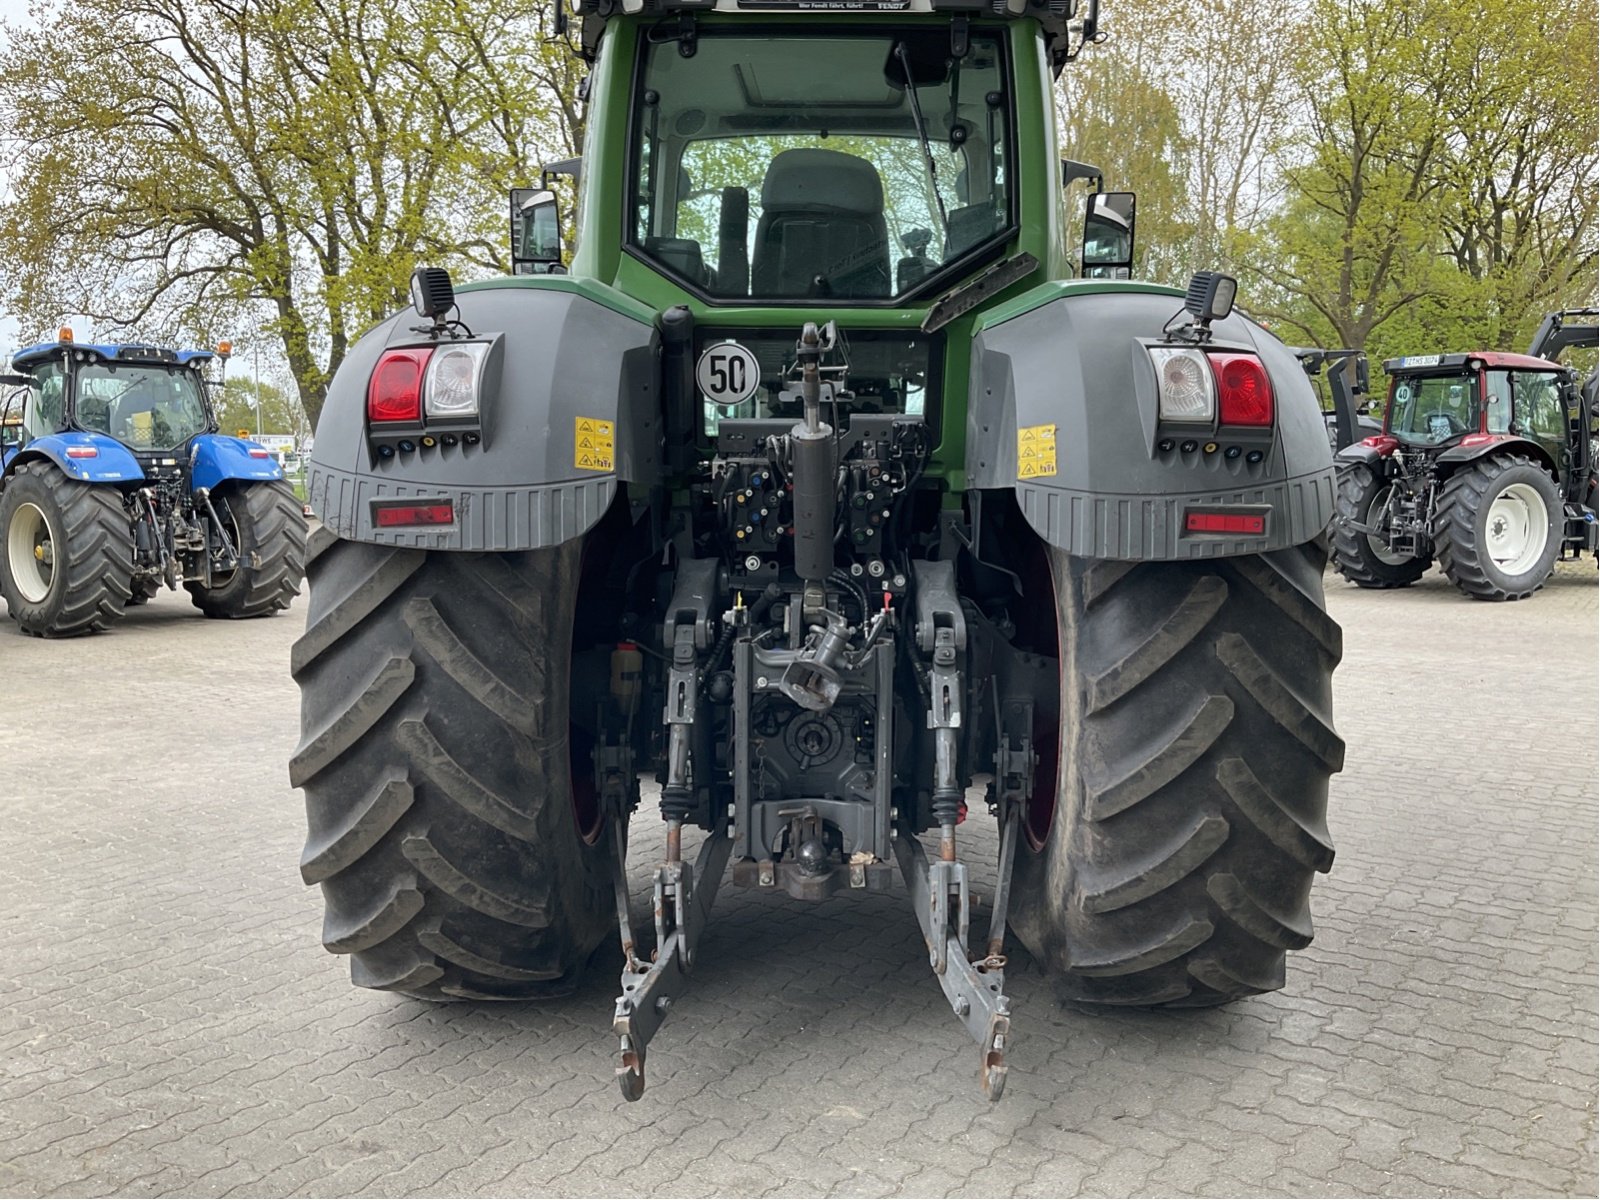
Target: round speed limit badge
{"type": "Point", "coordinates": [727, 374]}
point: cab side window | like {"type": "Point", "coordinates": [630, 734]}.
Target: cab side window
{"type": "Point", "coordinates": [1537, 401]}
{"type": "Point", "coordinates": [46, 400]}
{"type": "Point", "coordinates": [1499, 389]}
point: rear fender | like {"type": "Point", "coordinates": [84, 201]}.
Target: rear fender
{"type": "Point", "coordinates": [579, 362]}
{"type": "Point", "coordinates": [215, 458]}
{"type": "Point", "coordinates": [1482, 444]}
{"type": "Point", "coordinates": [86, 457]}
{"type": "Point", "coordinates": [1362, 454]}
{"type": "Point", "coordinates": [1073, 362]}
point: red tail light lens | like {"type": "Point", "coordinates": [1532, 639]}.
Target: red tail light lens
{"type": "Point", "coordinates": [395, 391]}
{"type": "Point", "coordinates": [1244, 393]}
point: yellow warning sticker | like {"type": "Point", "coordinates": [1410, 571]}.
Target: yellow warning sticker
{"type": "Point", "coordinates": [594, 445]}
{"type": "Point", "coordinates": [1036, 451]}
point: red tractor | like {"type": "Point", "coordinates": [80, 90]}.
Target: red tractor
{"type": "Point", "coordinates": [1486, 463]}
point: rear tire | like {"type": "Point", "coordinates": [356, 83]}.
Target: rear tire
{"type": "Point", "coordinates": [66, 552]}
{"type": "Point", "coordinates": [269, 531]}
{"type": "Point", "coordinates": [1192, 783]}
{"type": "Point", "coordinates": [1361, 558]}
{"type": "Point", "coordinates": [1491, 516]}
{"type": "Point", "coordinates": [435, 699]}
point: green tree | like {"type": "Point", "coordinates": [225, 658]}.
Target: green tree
{"type": "Point", "coordinates": [185, 161]}
{"type": "Point", "coordinates": [236, 402]}
{"type": "Point", "coordinates": [1114, 111]}
{"type": "Point", "coordinates": [1446, 197]}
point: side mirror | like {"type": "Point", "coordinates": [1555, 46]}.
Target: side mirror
{"type": "Point", "coordinates": [535, 232]}
{"type": "Point", "coordinates": [1108, 236]}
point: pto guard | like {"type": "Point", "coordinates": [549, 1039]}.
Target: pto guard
{"type": "Point", "coordinates": [576, 367]}
{"type": "Point", "coordinates": [1098, 488]}
{"type": "Point", "coordinates": [216, 458]}
{"type": "Point", "coordinates": [111, 462]}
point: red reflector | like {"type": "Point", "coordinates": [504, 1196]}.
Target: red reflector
{"type": "Point", "coordinates": [395, 391]}
{"type": "Point", "coordinates": [1244, 394]}
{"type": "Point", "coordinates": [255, 453]}
{"type": "Point", "coordinates": [83, 452]}
{"type": "Point", "coordinates": [1225, 522]}
{"type": "Point", "coordinates": [415, 514]}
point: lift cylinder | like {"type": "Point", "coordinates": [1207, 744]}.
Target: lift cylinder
{"type": "Point", "coordinates": [814, 472]}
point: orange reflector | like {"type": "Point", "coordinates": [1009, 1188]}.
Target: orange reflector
{"type": "Point", "coordinates": [1200, 521]}
{"type": "Point", "coordinates": [440, 513]}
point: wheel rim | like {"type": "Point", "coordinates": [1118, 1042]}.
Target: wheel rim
{"type": "Point", "coordinates": [30, 552]}
{"type": "Point", "coordinates": [1380, 548]}
{"type": "Point", "coordinates": [1517, 529]}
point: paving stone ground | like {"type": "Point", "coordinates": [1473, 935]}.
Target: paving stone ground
{"type": "Point", "coordinates": [170, 1025]}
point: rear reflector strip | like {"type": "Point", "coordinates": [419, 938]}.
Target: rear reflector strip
{"type": "Point", "coordinates": [411, 513]}
{"type": "Point", "coordinates": [1251, 524]}
{"type": "Point", "coordinates": [83, 452]}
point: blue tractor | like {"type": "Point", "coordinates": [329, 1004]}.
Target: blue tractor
{"type": "Point", "coordinates": [116, 480]}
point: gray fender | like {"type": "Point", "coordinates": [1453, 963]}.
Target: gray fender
{"type": "Point", "coordinates": [565, 357]}
{"type": "Point", "coordinates": [1074, 363]}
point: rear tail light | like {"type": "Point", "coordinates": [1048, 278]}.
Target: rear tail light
{"type": "Point", "coordinates": [1244, 393]}
{"type": "Point", "coordinates": [453, 380]}
{"type": "Point", "coordinates": [83, 452]}
{"type": "Point", "coordinates": [1184, 385]}
{"type": "Point", "coordinates": [257, 452]}
{"type": "Point", "coordinates": [395, 391]}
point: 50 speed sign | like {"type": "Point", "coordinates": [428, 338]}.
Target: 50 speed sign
{"type": "Point", "coordinates": [727, 374]}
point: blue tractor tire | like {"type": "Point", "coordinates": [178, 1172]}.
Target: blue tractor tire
{"type": "Point", "coordinates": [66, 552]}
{"type": "Point", "coordinates": [268, 528]}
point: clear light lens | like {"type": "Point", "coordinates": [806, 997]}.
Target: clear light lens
{"type": "Point", "coordinates": [452, 385]}
{"type": "Point", "coordinates": [1187, 390]}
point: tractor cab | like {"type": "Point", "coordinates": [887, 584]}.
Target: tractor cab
{"type": "Point", "coordinates": [150, 399]}
{"type": "Point", "coordinates": [1472, 400]}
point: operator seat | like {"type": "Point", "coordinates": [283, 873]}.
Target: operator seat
{"type": "Point", "coordinates": [822, 231]}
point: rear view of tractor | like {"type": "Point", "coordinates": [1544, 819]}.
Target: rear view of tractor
{"type": "Point", "coordinates": [118, 482]}
{"type": "Point", "coordinates": [1485, 464]}
{"type": "Point", "coordinates": [816, 488]}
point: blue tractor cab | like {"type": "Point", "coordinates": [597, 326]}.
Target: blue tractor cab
{"type": "Point", "coordinates": [115, 479]}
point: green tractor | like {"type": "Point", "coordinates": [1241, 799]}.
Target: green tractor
{"type": "Point", "coordinates": [817, 487]}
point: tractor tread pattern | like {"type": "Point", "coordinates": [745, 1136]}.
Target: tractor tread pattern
{"type": "Point", "coordinates": [1352, 556]}
{"type": "Point", "coordinates": [1192, 809]}
{"type": "Point", "coordinates": [98, 555]}
{"type": "Point", "coordinates": [272, 528]}
{"type": "Point", "coordinates": [1455, 521]}
{"type": "Point", "coordinates": [440, 829]}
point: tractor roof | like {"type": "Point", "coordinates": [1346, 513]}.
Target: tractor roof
{"type": "Point", "coordinates": [1416, 364]}
{"type": "Point", "coordinates": [22, 360]}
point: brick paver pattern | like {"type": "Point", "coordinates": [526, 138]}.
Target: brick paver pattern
{"type": "Point", "coordinates": [170, 1025]}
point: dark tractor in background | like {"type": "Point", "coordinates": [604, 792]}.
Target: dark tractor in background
{"type": "Point", "coordinates": [1485, 464]}
{"type": "Point", "coordinates": [118, 481]}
